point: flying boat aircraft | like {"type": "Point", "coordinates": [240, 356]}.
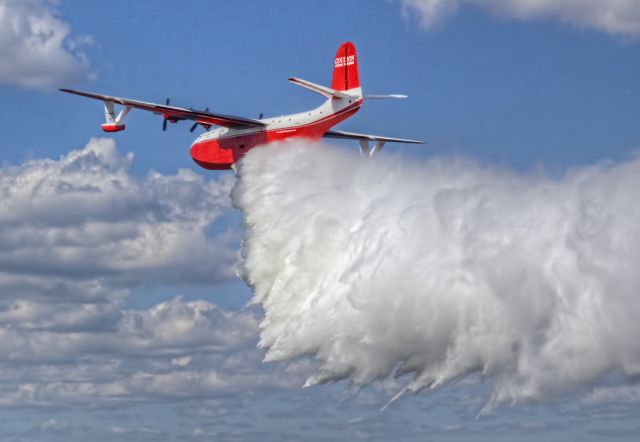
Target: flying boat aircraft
{"type": "Point", "coordinates": [220, 147]}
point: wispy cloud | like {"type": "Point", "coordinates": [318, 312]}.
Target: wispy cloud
{"type": "Point", "coordinates": [615, 17]}
{"type": "Point", "coordinates": [35, 47]}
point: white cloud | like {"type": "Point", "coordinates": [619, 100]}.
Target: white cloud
{"type": "Point", "coordinates": [431, 12]}
{"type": "Point", "coordinates": [135, 358]}
{"type": "Point", "coordinates": [170, 329]}
{"type": "Point", "coordinates": [85, 216]}
{"type": "Point", "coordinates": [617, 394]}
{"type": "Point", "coordinates": [76, 235]}
{"type": "Point", "coordinates": [442, 269]}
{"type": "Point", "coordinates": [612, 16]}
{"type": "Point", "coordinates": [36, 51]}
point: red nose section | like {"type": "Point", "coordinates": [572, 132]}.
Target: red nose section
{"type": "Point", "coordinates": [208, 155]}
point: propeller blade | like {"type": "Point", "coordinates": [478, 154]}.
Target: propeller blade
{"type": "Point", "coordinates": [196, 123]}
{"type": "Point", "coordinates": [261, 115]}
{"type": "Point", "coordinates": [164, 122]}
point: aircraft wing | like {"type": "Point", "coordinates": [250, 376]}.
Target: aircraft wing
{"type": "Point", "coordinates": [361, 137]}
{"type": "Point", "coordinates": [203, 117]}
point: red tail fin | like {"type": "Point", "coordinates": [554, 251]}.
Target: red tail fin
{"type": "Point", "coordinates": [345, 68]}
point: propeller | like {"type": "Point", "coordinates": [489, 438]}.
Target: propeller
{"type": "Point", "coordinates": [164, 122]}
{"type": "Point", "coordinates": [196, 123]}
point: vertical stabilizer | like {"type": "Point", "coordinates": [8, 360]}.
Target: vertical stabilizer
{"type": "Point", "coordinates": [345, 68]}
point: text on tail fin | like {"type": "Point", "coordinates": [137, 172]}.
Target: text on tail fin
{"type": "Point", "coordinates": [345, 68]}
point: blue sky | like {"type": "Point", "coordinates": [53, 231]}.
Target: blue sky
{"type": "Point", "coordinates": [519, 92]}
{"type": "Point", "coordinates": [552, 88]}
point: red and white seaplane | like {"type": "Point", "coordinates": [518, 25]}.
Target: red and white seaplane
{"type": "Point", "coordinates": [221, 147]}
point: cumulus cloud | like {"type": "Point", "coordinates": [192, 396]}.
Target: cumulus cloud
{"type": "Point", "coordinates": [616, 17]}
{"type": "Point", "coordinates": [443, 269]}
{"type": "Point", "coordinates": [77, 234]}
{"type": "Point", "coordinates": [135, 358]}
{"type": "Point", "coordinates": [172, 328]}
{"type": "Point", "coordinates": [37, 52]}
{"type": "Point", "coordinates": [85, 216]}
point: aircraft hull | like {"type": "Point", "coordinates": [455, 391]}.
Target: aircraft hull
{"type": "Point", "coordinates": [222, 152]}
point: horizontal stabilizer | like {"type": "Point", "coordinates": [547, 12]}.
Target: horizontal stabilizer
{"type": "Point", "coordinates": [354, 136]}
{"type": "Point", "coordinates": [382, 97]}
{"type": "Point", "coordinates": [322, 90]}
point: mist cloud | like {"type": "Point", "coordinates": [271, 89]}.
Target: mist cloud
{"type": "Point", "coordinates": [443, 269]}
{"type": "Point", "coordinates": [615, 17]}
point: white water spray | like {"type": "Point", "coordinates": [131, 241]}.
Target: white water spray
{"type": "Point", "coordinates": [443, 268]}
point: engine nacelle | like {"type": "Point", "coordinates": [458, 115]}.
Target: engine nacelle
{"type": "Point", "coordinates": [110, 127]}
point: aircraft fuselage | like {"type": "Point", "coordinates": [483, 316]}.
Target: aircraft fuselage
{"type": "Point", "coordinates": [220, 148]}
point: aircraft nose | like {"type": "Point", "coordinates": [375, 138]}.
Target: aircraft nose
{"type": "Point", "coordinates": [195, 150]}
